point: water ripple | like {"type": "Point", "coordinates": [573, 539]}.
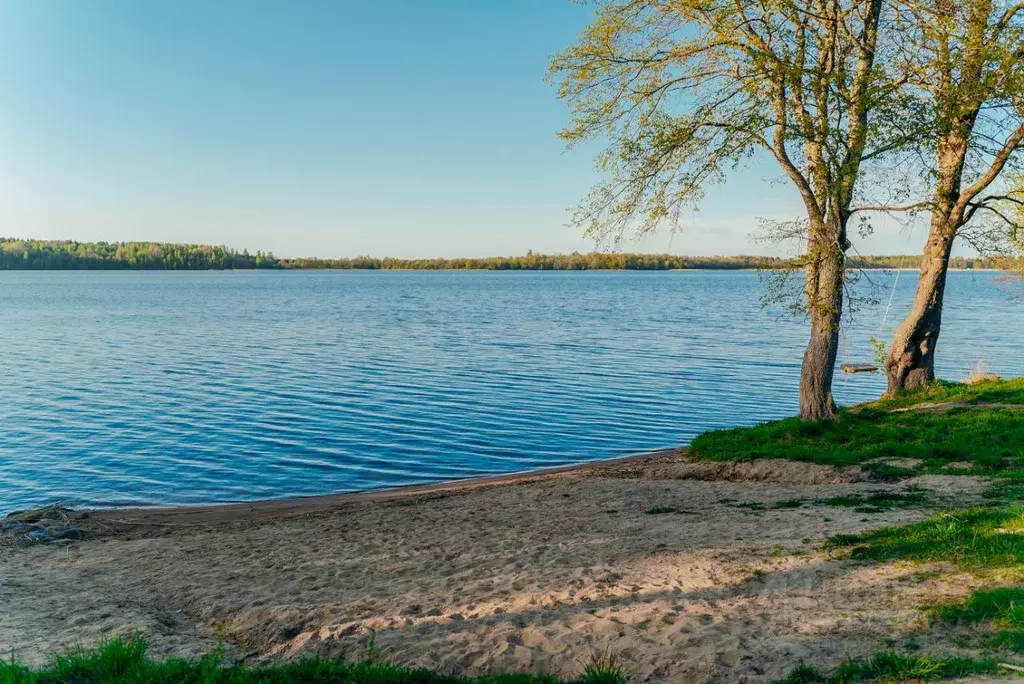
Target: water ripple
{"type": "Point", "coordinates": [161, 388]}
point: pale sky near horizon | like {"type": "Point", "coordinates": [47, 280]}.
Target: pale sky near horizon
{"type": "Point", "coordinates": [317, 127]}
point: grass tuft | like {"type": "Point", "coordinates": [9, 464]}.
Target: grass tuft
{"type": "Point", "coordinates": [660, 510]}
{"type": "Point", "coordinates": [891, 666]}
{"type": "Point", "coordinates": [125, 662]}
{"type": "Point", "coordinates": [1003, 607]}
{"type": "Point", "coordinates": [803, 674]}
{"type": "Point", "coordinates": [977, 538]}
{"type": "Point", "coordinates": [869, 502]}
{"type": "Point", "coordinates": [604, 669]}
{"type": "Point", "coordinates": [1003, 640]}
{"type": "Point", "coordinates": [876, 502]}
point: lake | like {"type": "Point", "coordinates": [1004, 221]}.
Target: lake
{"type": "Point", "coordinates": [194, 387]}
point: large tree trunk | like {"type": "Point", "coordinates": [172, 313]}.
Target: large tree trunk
{"type": "Point", "coordinates": [825, 300]}
{"type": "Point", "coordinates": [911, 360]}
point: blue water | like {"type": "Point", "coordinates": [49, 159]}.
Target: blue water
{"type": "Point", "coordinates": [162, 387]}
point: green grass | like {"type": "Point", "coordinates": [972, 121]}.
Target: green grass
{"type": "Point", "coordinates": [869, 502]}
{"type": "Point", "coordinates": [876, 502]}
{"type": "Point", "coordinates": [1008, 488]}
{"type": "Point", "coordinates": [989, 438]}
{"type": "Point", "coordinates": [661, 510]}
{"type": "Point", "coordinates": [1003, 607]}
{"type": "Point", "coordinates": [1003, 640]}
{"type": "Point", "coordinates": [987, 391]}
{"type": "Point", "coordinates": [891, 666]}
{"type": "Point", "coordinates": [126, 662]}
{"type": "Point", "coordinates": [974, 539]}
{"type": "Point", "coordinates": [981, 540]}
{"type": "Point", "coordinates": [978, 540]}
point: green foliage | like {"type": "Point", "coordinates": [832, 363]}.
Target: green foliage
{"type": "Point", "coordinates": [18, 255]}
{"type": "Point", "coordinates": [878, 349]}
{"type": "Point", "coordinates": [126, 662]}
{"type": "Point", "coordinates": [891, 666]}
{"type": "Point", "coordinates": [659, 510]}
{"type": "Point", "coordinates": [594, 261]}
{"type": "Point", "coordinates": [991, 438]}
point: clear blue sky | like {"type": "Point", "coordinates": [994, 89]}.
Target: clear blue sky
{"type": "Point", "coordinates": [313, 127]}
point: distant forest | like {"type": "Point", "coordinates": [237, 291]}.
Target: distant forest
{"type": "Point", "coordinates": [38, 255]}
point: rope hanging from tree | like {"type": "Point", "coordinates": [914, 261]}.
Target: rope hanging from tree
{"type": "Point", "coordinates": [851, 368]}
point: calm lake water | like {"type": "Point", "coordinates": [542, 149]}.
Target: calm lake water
{"type": "Point", "coordinates": [163, 387]}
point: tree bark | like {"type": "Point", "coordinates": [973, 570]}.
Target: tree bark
{"type": "Point", "coordinates": [825, 298]}
{"type": "Point", "coordinates": [910, 363]}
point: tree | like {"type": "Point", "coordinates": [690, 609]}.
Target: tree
{"type": "Point", "coordinates": [963, 59]}
{"type": "Point", "coordinates": [686, 90]}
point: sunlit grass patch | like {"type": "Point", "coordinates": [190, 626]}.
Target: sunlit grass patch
{"type": "Point", "coordinates": [126, 662]}
{"type": "Point", "coordinates": [989, 438]}
{"type": "Point", "coordinates": [1003, 607]}
{"type": "Point", "coordinates": [975, 539]}
{"type": "Point", "coordinates": [893, 667]}
{"type": "Point", "coordinates": [995, 391]}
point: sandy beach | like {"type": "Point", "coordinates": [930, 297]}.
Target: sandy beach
{"type": "Point", "coordinates": [537, 572]}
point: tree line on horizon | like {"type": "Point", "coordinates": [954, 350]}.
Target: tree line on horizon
{"type": "Point", "coordinates": [36, 255]}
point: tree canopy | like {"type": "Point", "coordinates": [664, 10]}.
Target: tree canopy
{"type": "Point", "coordinates": [963, 62]}
{"type": "Point", "coordinates": [684, 91]}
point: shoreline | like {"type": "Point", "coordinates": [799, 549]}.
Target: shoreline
{"type": "Point", "coordinates": [468, 270]}
{"type": "Point", "coordinates": [263, 510]}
